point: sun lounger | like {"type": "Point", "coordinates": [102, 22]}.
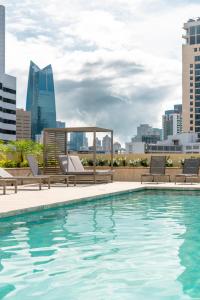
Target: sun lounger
{"type": "Point", "coordinates": [73, 165]}
{"type": "Point", "coordinates": [33, 164]}
{"type": "Point", "coordinates": [39, 179]}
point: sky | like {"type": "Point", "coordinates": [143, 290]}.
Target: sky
{"type": "Point", "coordinates": [116, 63]}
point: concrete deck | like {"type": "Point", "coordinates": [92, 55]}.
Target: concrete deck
{"type": "Point", "coordinates": [29, 198]}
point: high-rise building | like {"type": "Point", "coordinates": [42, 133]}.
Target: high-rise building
{"type": "Point", "coordinates": [172, 121]}
{"type": "Point", "coordinates": [106, 143]}
{"type": "Point", "coordinates": [23, 124]}
{"type": "Point", "coordinates": [41, 99]}
{"type": "Point", "coordinates": [147, 134]}
{"type": "Point", "coordinates": [191, 76]}
{"type": "Point", "coordinates": [60, 124]}
{"type": "Point", "coordinates": [7, 91]}
{"type": "Point", "coordinates": [78, 141]}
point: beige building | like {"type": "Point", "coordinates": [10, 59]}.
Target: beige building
{"type": "Point", "coordinates": [23, 124]}
{"type": "Point", "coordinates": [191, 77]}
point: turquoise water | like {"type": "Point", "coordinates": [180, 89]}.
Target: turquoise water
{"type": "Point", "coordinates": [143, 245]}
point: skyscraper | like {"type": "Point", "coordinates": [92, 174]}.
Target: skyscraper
{"type": "Point", "coordinates": [41, 99]}
{"type": "Point", "coordinates": [78, 141]}
{"type": "Point", "coordinates": [7, 91]}
{"type": "Point", "coordinates": [191, 77]}
{"type": "Point", "coordinates": [172, 121]}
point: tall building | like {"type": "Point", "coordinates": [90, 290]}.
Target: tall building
{"type": "Point", "coordinates": [41, 99]}
{"type": "Point", "coordinates": [23, 124]}
{"type": "Point", "coordinates": [172, 121]}
{"type": "Point", "coordinates": [191, 76]}
{"type": "Point", "coordinates": [147, 134]}
{"type": "Point", "coordinates": [78, 141]}
{"type": "Point", "coordinates": [106, 143]}
{"type": "Point", "coordinates": [60, 124]}
{"type": "Point", "coordinates": [7, 91]}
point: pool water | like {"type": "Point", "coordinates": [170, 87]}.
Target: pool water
{"type": "Point", "coordinates": [143, 245]}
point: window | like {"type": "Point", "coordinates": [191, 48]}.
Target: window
{"type": "Point", "coordinates": [197, 97]}
{"type": "Point", "coordinates": [191, 116]}
{"type": "Point", "coordinates": [197, 110]}
{"type": "Point", "coordinates": [191, 122]}
{"type": "Point", "coordinates": [191, 96]}
{"type": "Point", "coordinates": [197, 123]}
{"type": "Point", "coordinates": [197, 84]}
{"type": "Point", "coordinates": [6, 100]}
{"type": "Point", "coordinates": [191, 84]}
{"type": "Point", "coordinates": [195, 49]}
{"type": "Point", "coordinates": [191, 128]}
{"type": "Point", "coordinates": [197, 66]}
{"type": "Point", "coordinates": [197, 72]}
{"type": "Point", "coordinates": [192, 30]}
{"type": "Point", "coordinates": [191, 91]}
{"type": "Point", "coordinates": [197, 91]}
{"type": "Point", "coordinates": [191, 77]}
{"type": "Point", "coordinates": [192, 40]}
{"type": "Point", "coordinates": [7, 90]}
{"type": "Point", "coordinates": [197, 78]}
{"type": "Point", "coordinates": [198, 39]}
{"type": "Point", "coordinates": [191, 103]}
{"type": "Point", "coordinates": [197, 117]}
{"type": "Point", "coordinates": [191, 109]}
{"type": "Point", "coordinates": [197, 104]}
{"type": "Point", "coordinates": [197, 129]}
{"type": "Point", "coordinates": [197, 58]}
{"type": "Point", "coordinates": [191, 65]}
{"type": "Point", "coordinates": [191, 72]}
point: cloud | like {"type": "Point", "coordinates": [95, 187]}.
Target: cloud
{"type": "Point", "coordinates": [116, 63]}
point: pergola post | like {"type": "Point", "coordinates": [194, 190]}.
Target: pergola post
{"type": "Point", "coordinates": [94, 155]}
{"type": "Point", "coordinates": [111, 150]}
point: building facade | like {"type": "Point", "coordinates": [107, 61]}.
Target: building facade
{"type": "Point", "coordinates": [23, 124]}
{"type": "Point", "coordinates": [78, 141]}
{"type": "Point", "coordinates": [172, 121]}
{"type": "Point", "coordinates": [106, 144]}
{"type": "Point", "coordinates": [60, 124]}
{"type": "Point", "coordinates": [146, 133]}
{"type": "Point", "coordinates": [191, 77]}
{"type": "Point", "coordinates": [7, 91]}
{"type": "Point", "coordinates": [41, 99]}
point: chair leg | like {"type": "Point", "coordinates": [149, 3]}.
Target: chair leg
{"type": "Point", "coordinates": [40, 184]}
{"type": "Point", "coordinates": [4, 188]}
{"type": "Point", "coordinates": [16, 187]}
{"type": "Point", "coordinates": [49, 183]}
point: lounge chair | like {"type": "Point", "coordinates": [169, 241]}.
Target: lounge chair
{"type": "Point", "coordinates": [157, 168]}
{"type": "Point", "coordinates": [33, 164]}
{"type": "Point", "coordinates": [39, 179]}
{"type": "Point", "coordinates": [11, 181]}
{"type": "Point", "coordinates": [190, 169]}
{"type": "Point", "coordinates": [72, 165]}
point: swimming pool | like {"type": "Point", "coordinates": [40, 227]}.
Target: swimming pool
{"type": "Point", "coordinates": [142, 245]}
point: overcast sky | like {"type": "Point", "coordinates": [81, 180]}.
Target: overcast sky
{"type": "Point", "coordinates": [116, 63]}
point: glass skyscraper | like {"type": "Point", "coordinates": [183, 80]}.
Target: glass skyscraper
{"type": "Point", "coordinates": [41, 99]}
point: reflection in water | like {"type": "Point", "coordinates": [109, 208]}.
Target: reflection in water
{"type": "Point", "coordinates": [189, 252]}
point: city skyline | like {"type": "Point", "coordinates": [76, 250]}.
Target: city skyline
{"type": "Point", "coordinates": [106, 68]}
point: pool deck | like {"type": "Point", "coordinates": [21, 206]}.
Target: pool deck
{"type": "Point", "coordinates": [29, 198]}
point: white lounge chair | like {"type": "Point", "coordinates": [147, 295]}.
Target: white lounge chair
{"type": "Point", "coordinates": [70, 164]}
{"type": "Point", "coordinates": [33, 164]}
{"type": "Point", "coordinates": [39, 179]}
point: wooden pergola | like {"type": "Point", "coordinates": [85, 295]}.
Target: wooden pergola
{"type": "Point", "coordinates": [56, 140]}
